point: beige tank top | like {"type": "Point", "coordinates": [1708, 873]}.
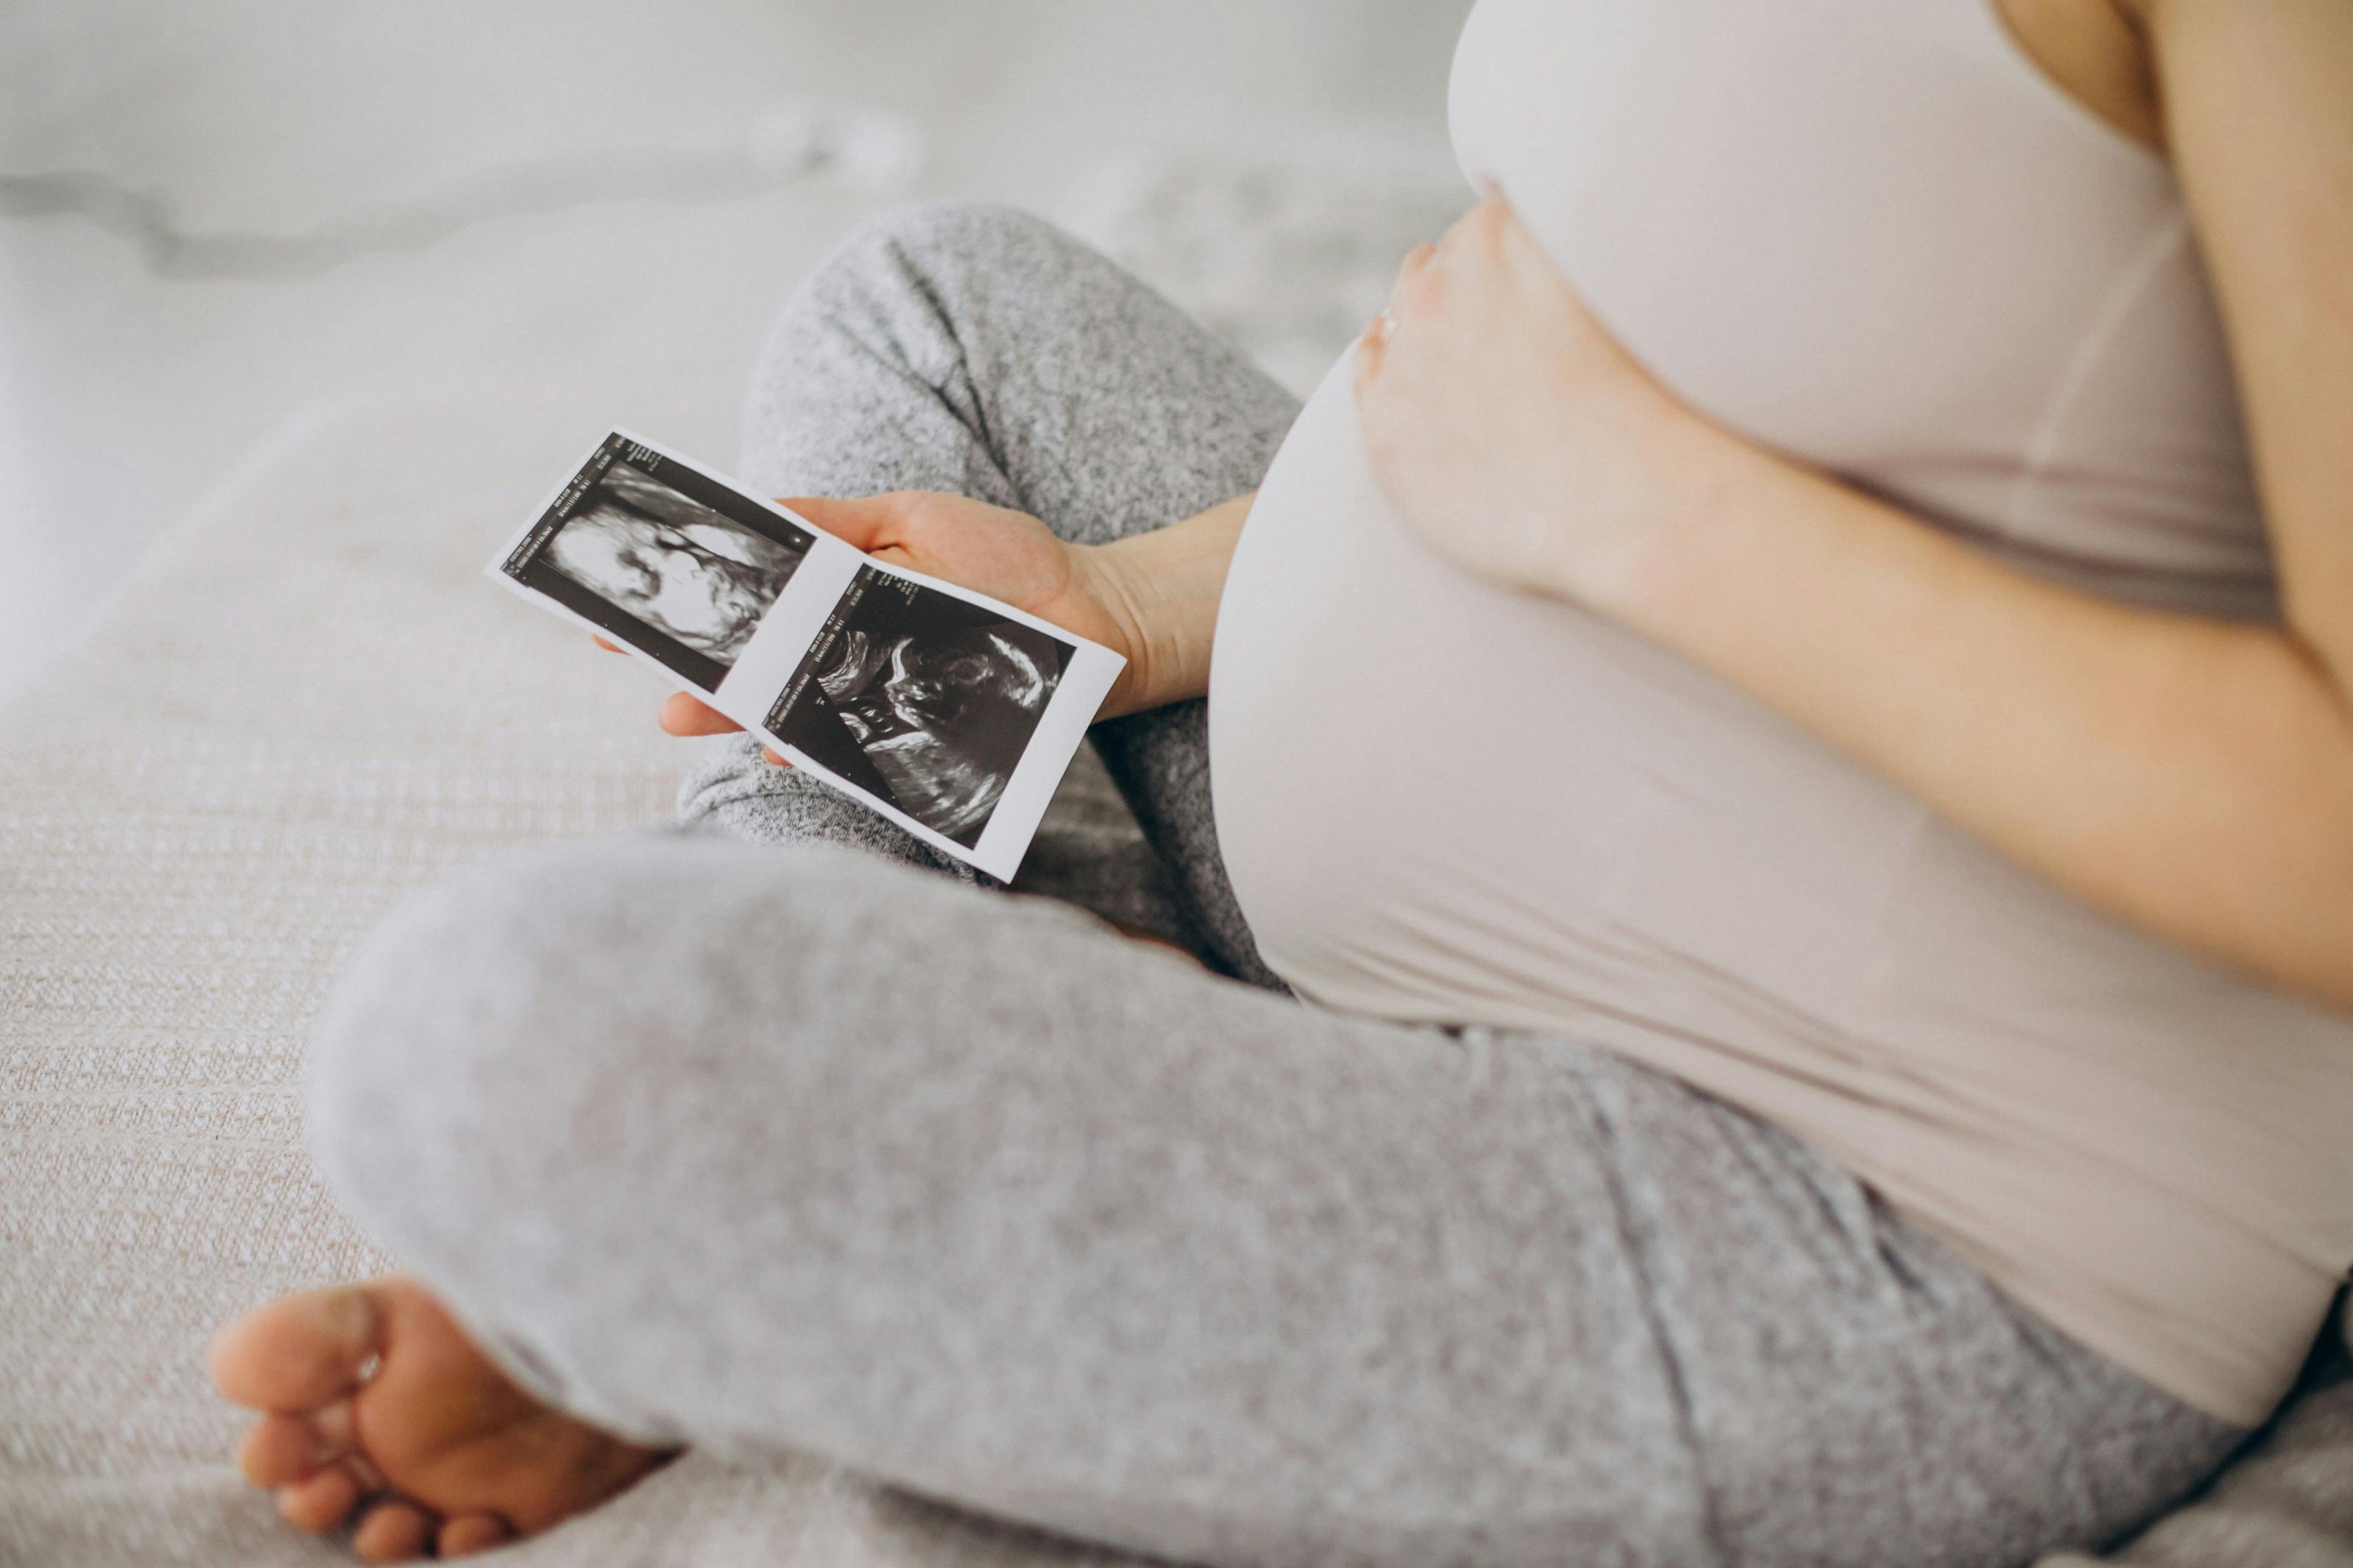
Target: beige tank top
{"type": "Point", "coordinates": [1874, 236]}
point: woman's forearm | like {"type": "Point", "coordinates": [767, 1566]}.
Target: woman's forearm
{"type": "Point", "coordinates": [2193, 776]}
{"type": "Point", "coordinates": [1163, 588]}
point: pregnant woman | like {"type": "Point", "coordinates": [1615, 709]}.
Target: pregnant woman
{"type": "Point", "coordinates": [1775, 950]}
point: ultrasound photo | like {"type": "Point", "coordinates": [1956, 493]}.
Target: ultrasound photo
{"type": "Point", "coordinates": [668, 561]}
{"type": "Point", "coordinates": [923, 700]}
{"type": "Point", "coordinates": [950, 714]}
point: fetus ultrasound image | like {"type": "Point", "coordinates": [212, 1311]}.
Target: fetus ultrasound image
{"type": "Point", "coordinates": [923, 700]}
{"type": "Point", "coordinates": [644, 551]}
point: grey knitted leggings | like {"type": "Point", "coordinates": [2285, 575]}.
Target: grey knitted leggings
{"type": "Point", "coordinates": [799, 1142]}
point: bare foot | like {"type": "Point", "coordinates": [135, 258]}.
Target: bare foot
{"type": "Point", "coordinates": [378, 1409]}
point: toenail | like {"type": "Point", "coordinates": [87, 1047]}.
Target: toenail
{"type": "Point", "coordinates": [368, 1367]}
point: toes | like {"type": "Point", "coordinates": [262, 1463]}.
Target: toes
{"type": "Point", "coordinates": [299, 1353]}
{"type": "Point", "coordinates": [280, 1450]}
{"type": "Point", "coordinates": [392, 1533]}
{"type": "Point", "coordinates": [472, 1532]}
{"type": "Point", "coordinates": [322, 1502]}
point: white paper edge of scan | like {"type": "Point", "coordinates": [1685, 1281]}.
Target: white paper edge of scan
{"type": "Point", "coordinates": [1071, 711]}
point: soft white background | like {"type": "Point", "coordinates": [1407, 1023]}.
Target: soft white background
{"type": "Point", "coordinates": [125, 393]}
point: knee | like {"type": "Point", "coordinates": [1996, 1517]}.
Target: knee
{"type": "Point", "coordinates": [912, 300]}
{"type": "Point", "coordinates": [951, 242]}
{"type": "Point", "coordinates": [480, 1034]}
{"type": "Point", "coordinates": [507, 1050]}
{"type": "Point", "coordinates": [945, 261]}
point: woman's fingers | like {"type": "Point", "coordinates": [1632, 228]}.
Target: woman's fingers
{"type": "Point", "coordinates": [1415, 261]}
{"type": "Point", "coordinates": [684, 715]}
{"type": "Point", "coordinates": [1372, 348]}
{"type": "Point", "coordinates": [865, 522]}
{"type": "Point", "coordinates": [1376, 341]}
{"type": "Point", "coordinates": [1488, 218]}
{"type": "Point", "coordinates": [1372, 343]}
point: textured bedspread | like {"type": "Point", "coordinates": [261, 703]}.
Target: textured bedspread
{"type": "Point", "coordinates": [308, 703]}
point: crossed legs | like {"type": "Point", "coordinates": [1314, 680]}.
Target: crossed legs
{"type": "Point", "coordinates": [771, 1136]}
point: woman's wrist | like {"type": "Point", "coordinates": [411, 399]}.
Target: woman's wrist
{"type": "Point", "coordinates": [1637, 566]}
{"type": "Point", "coordinates": [1158, 594]}
{"type": "Point", "coordinates": [1110, 582]}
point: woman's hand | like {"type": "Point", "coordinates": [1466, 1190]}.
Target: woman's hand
{"type": "Point", "coordinates": [1511, 431]}
{"type": "Point", "coordinates": [1007, 555]}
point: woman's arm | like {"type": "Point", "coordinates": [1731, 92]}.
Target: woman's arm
{"type": "Point", "coordinates": [2194, 777]}
{"type": "Point", "coordinates": [1152, 597]}
{"type": "Point", "coordinates": [2259, 110]}
{"type": "Point", "coordinates": [1163, 588]}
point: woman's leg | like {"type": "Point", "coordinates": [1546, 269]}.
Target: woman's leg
{"type": "Point", "coordinates": [803, 1148]}
{"type": "Point", "coordinates": [979, 350]}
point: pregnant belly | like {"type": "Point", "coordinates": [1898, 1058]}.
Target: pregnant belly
{"type": "Point", "coordinates": [1457, 805]}
{"type": "Point", "coordinates": [1442, 800]}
